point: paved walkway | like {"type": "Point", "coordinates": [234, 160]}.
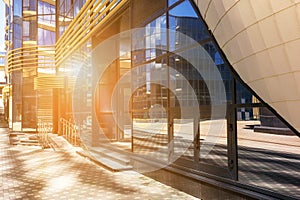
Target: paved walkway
{"type": "Point", "coordinates": [33, 173]}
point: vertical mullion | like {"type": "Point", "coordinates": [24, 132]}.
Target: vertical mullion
{"type": "Point", "coordinates": [169, 112]}
{"type": "Point", "coordinates": [232, 134]}
{"type": "Point", "coordinates": [131, 71]}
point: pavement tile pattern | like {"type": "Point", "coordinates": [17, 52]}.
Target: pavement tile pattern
{"type": "Point", "coordinates": [30, 172]}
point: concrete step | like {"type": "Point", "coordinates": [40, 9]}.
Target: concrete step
{"type": "Point", "coordinates": [106, 161]}
{"type": "Point", "coordinates": [29, 141]}
{"type": "Point", "coordinates": [16, 134]}
{"type": "Point", "coordinates": [21, 138]}
{"type": "Point", "coordinates": [29, 144]}
{"type": "Point", "coordinates": [112, 155]}
{"type": "Point", "coordinates": [59, 142]}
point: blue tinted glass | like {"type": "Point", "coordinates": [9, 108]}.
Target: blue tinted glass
{"type": "Point", "coordinates": [184, 9]}
{"type": "Point", "coordinates": [32, 5]}
{"type": "Point", "coordinates": [17, 8]}
{"type": "Point", "coordinates": [46, 37]}
{"type": "Point", "coordinates": [184, 19]}
{"type": "Point", "coordinates": [17, 36]}
{"type": "Point", "coordinates": [154, 43]}
{"type": "Point", "coordinates": [218, 60]}
{"type": "Point", "coordinates": [243, 95]}
{"type": "Point", "coordinates": [222, 67]}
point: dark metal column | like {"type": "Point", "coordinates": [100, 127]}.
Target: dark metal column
{"type": "Point", "coordinates": [232, 134]}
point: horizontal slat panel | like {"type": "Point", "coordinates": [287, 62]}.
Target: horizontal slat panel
{"type": "Point", "coordinates": [91, 16]}
{"type": "Point", "coordinates": [32, 57]}
{"type": "Point", "coordinates": [48, 82]}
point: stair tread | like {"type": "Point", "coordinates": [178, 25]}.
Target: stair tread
{"type": "Point", "coordinates": [106, 162]}
{"type": "Point", "coordinates": [111, 154]}
{"type": "Point", "coordinates": [29, 141]}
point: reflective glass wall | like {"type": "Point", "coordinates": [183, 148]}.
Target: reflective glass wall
{"type": "Point", "coordinates": [186, 105]}
{"type": "Point", "coordinates": [165, 121]}
{"type": "Point", "coordinates": [33, 40]}
{"type": "Point", "coordinates": [67, 10]}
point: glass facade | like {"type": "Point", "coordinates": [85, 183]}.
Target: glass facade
{"type": "Point", "coordinates": [152, 115]}
{"type": "Point", "coordinates": [33, 39]}
{"type": "Point", "coordinates": [158, 129]}
{"type": "Point", "coordinates": [154, 100]}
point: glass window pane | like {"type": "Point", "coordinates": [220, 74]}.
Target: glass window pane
{"type": "Point", "coordinates": [268, 152]}
{"type": "Point", "coordinates": [184, 19]}
{"type": "Point", "coordinates": [149, 101]}
{"type": "Point", "coordinates": [25, 29]}
{"type": "Point", "coordinates": [150, 42]}
{"type": "Point", "coordinates": [17, 8]}
{"type": "Point", "coordinates": [46, 37]}
{"type": "Point", "coordinates": [185, 9]}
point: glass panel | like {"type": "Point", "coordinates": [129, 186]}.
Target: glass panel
{"type": "Point", "coordinates": [150, 42]}
{"type": "Point", "coordinates": [46, 37]}
{"type": "Point", "coordinates": [46, 13]}
{"type": "Point", "coordinates": [29, 30]}
{"type": "Point", "coordinates": [268, 152]}
{"type": "Point", "coordinates": [26, 30]}
{"type": "Point", "coordinates": [213, 125]}
{"type": "Point", "coordinates": [112, 108]}
{"type": "Point", "coordinates": [65, 16]}
{"type": "Point", "coordinates": [155, 38]}
{"type": "Point", "coordinates": [77, 7]}
{"type": "Point", "coordinates": [207, 76]}
{"type": "Point", "coordinates": [123, 90]}
{"type": "Point", "coordinates": [29, 104]}
{"type": "Point", "coordinates": [244, 96]}
{"type": "Point", "coordinates": [184, 9]}
{"type": "Point", "coordinates": [17, 8]}
{"type": "Point", "coordinates": [222, 68]}
{"type": "Point", "coordinates": [149, 110]}
{"type": "Point", "coordinates": [183, 19]}
{"type": "Point", "coordinates": [17, 34]}
{"type": "Point", "coordinates": [26, 5]}
{"type": "Point", "coordinates": [82, 98]}
{"type": "Point", "coordinates": [184, 81]}
{"type": "Point", "coordinates": [17, 100]}
{"type": "Point", "coordinates": [103, 105]}
{"type": "Point", "coordinates": [29, 5]}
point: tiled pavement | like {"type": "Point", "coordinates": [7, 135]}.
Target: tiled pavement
{"type": "Point", "coordinates": [29, 172]}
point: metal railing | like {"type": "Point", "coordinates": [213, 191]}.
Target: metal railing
{"type": "Point", "coordinates": [69, 131]}
{"type": "Point", "coordinates": [44, 129]}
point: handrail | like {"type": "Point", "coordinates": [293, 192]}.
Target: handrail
{"type": "Point", "coordinates": [94, 14]}
{"type": "Point", "coordinates": [43, 133]}
{"type": "Point", "coordinates": [69, 131]}
{"type": "Point", "coordinates": [32, 57]}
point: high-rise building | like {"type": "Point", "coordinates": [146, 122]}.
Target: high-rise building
{"type": "Point", "coordinates": [30, 45]}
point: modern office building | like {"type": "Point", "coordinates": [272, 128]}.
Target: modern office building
{"type": "Point", "coordinates": [173, 88]}
{"type": "Point", "coordinates": [30, 34]}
